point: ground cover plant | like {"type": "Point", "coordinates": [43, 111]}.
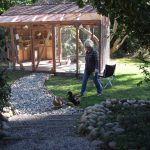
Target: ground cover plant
{"type": "Point", "coordinates": [4, 89]}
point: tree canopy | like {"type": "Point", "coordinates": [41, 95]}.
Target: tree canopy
{"type": "Point", "coordinates": [134, 15]}
{"type": "Point", "coordinates": [6, 4]}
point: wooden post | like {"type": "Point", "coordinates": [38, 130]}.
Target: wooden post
{"type": "Point", "coordinates": [12, 46]}
{"type": "Point", "coordinates": [8, 50]}
{"type": "Point", "coordinates": [32, 48]}
{"type": "Point", "coordinates": [77, 50]}
{"type": "Point", "coordinates": [59, 44]}
{"type": "Point", "coordinates": [100, 49]}
{"type": "Point", "coordinates": [53, 49]}
{"type": "Point", "coordinates": [43, 48]}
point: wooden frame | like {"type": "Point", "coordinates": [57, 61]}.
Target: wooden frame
{"type": "Point", "coordinates": [100, 65]}
{"type": "Point", "coordinates": [53, 49]}
{"type": "Point", "coordinates": [12, 46]}
{"type": "Point", "coordinates": [77, 50]}
{"type": "Point", "coordinates": [53, 30]}
{"type": "Point", "coordinates": [59, 44]}
{"type": "Point", "coordinates": [32, 48]}
{"type": "Point", "coordinates": [52, 21]}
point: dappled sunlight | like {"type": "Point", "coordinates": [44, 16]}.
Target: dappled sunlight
{"type": "Point", "coordinates": [127, 66]}
{"type": "Point", "coordinates": [127, 61]}
{"type": "Point", "coordinates": [125, 69]}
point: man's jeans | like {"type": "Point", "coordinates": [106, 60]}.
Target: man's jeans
{"type": "Point", "coordinates": [96, 81]}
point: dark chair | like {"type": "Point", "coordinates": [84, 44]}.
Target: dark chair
{"type": "Point", "coordinates": [108, 74]}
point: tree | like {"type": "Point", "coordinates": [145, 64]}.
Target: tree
{"type": "Point", "coordinates": [6, 4]}
{"type": "Point", "coordinates": [119, 32]}
{"type": "Point", "coordinates": [133, 15]}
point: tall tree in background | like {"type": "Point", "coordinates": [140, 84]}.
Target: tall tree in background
{"type": "Point", "coordinates": [6, 4]}
{"type": "Point", "coordinates": [129, 19]}
{"type": "Point", "coordinates": [132, 16]}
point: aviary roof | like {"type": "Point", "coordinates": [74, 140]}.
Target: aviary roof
{"type": "Point", "coordinates": [62, 8]}
{"type": "Point", "coordinates": [54, 13]}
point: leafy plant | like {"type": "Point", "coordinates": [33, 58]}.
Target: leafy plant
{"type": "Point", "coordinates": [144, 56]}
{"type": "Point", "coordinates": [4, 89]}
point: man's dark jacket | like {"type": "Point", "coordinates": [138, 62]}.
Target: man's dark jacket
{"type": "Point", "coordinates": [91, 61]}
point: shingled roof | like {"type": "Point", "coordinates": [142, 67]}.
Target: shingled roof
{"type": "Point", "coordinates": [64, 12]}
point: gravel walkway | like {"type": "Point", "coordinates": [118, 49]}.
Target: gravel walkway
{"type": "Point", "coordinates": [29, 96]}
{"type": "Point", "coordinates": [35, 126]}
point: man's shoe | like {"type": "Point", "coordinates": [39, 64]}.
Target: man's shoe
{"type": "Point", "coordinates": [80, 95]}
{"type": "Point", "coordinates": [99, 94]}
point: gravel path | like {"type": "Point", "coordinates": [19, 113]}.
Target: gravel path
{"type": "Point", "coordinates": [29, 96]}
{"type": "Point", "coordinates": [35, 126]}
{"type": "Point", "coordinates": [45, 132]}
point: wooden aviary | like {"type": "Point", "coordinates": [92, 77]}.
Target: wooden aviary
{"type": "Point", "coordinates": [35, 32]}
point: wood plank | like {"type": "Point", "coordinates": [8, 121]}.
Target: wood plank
{"type": "Point", "coordinates": [100, 49]}
{"type": "Point", "coordinates": [32, 48]}
{"type": "Point", "coordinates": [83, 22]}
{"type": "Point", "coordinates": [43, 48]}
{"type": "Point", "coordinates": [13, 46]}
{"type": "Point", "coordinates": [8, 50]}
{"type": "Point", "coordinates": [59, 44]}
{"type": "Point", "coordinates": [53, 49]}
{"type": "Point", "coordinates": [77, 50]}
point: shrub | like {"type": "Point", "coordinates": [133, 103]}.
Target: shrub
{"type": "Point", "coordinates": [4, 89]}
{"type": "Point", "coordinates": [144, 56]}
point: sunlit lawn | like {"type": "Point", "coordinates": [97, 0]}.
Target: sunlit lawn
{"type": "Point", "coordinates": [124, 86]}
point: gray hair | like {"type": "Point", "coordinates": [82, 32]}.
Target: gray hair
{"type": "Point", "coordinates": [88, 43]}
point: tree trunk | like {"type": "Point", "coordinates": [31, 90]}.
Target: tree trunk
{"type": "Point", "coordinates": [90, 34]}
{"type": "Point", "coordinates": [117, 44]}
{"type": "Point", "coordinates": [114, 30]}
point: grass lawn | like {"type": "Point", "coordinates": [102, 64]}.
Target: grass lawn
{"type": "Point", "coordinates": [12, 76]}
{"type": "Point", "coordinates": [124, 86]}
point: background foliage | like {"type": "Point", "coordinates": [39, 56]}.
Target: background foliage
{"type": "Point", "coordinates": [134, 15]}
{"type": "Point", "coordinates": [4, 89]}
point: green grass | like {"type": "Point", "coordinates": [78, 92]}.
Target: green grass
{"type": "Point", "coordinates": [124, 86]}
{"type": "Point", "coordinates": [12, 76]}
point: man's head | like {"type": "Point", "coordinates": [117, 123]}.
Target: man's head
{"type": "Point", "coordinates": [88, 43]}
